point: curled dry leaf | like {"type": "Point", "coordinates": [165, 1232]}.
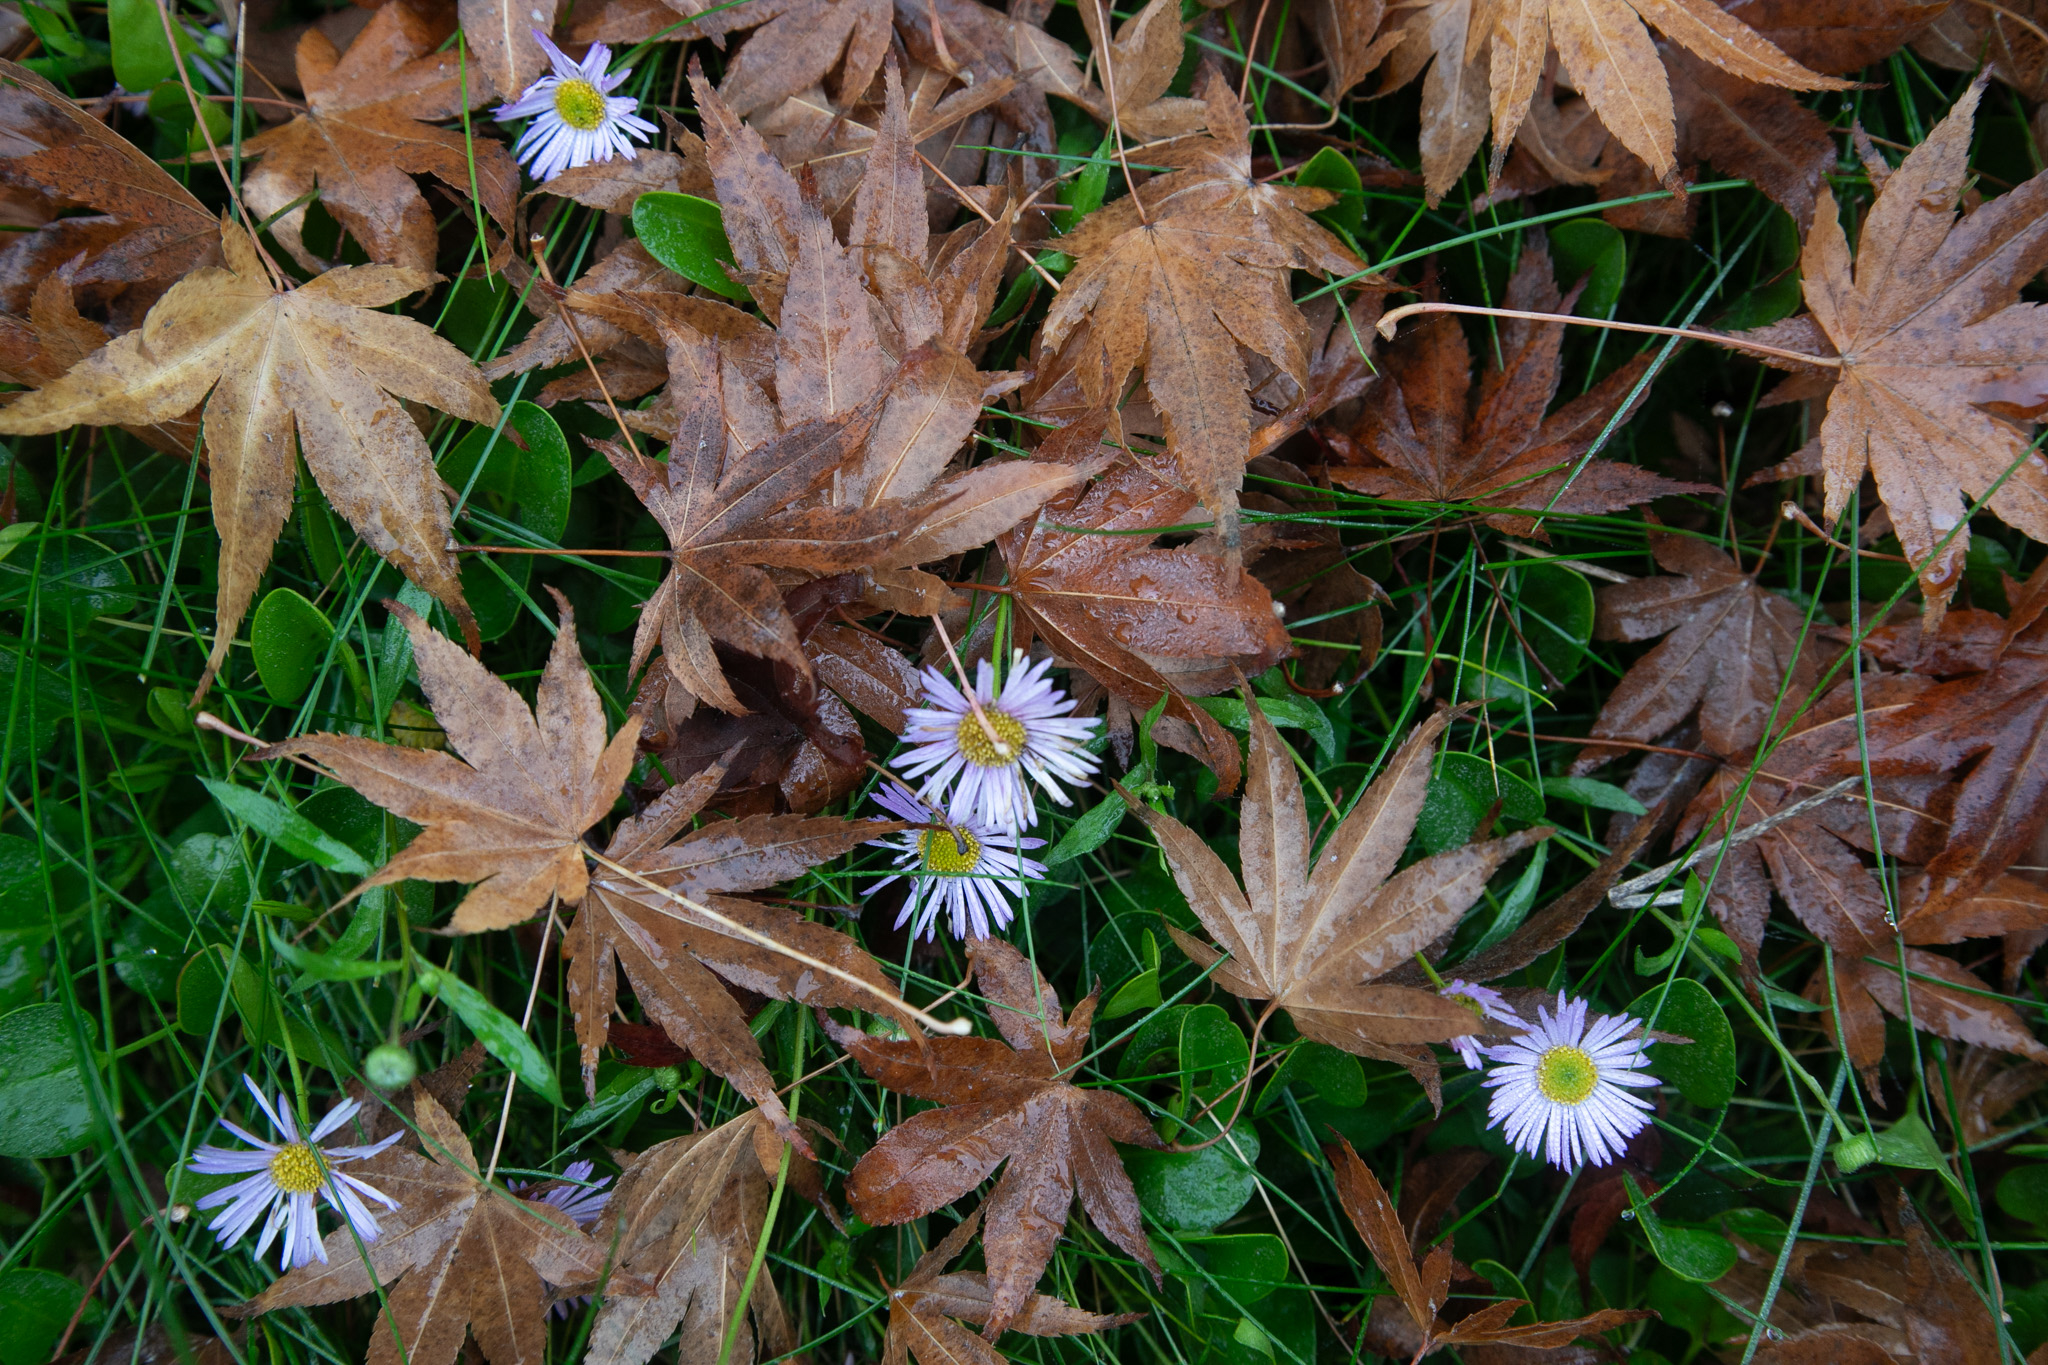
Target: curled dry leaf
{"type": "Point", "coordinates": [675, 957]}
{"type": "Point", "coordinates": [367, 131]}
{"type": "Point", "coordinates": [1316, 944]}
{"type": "Point", "coordinates": [320, 360]}
{"type": "Point", "coordinates": [509, 813]}
{"type": "Point", "coordinates": [458, 1252]}
{"type": "Point", "coordinates": [1429, 433]}
{"type": "Point", "coordinates": [924, 1308]}
{"type": "Point", "coordinates": [1936, 365]}
{"type": "Point", "coordinates": [1007, 1103]}
{"type": "Point", "coordinates": [1422, 1289]}
{"type": "Point", "coordinates": [148, 229]}
{"type": "Point", "coordinates": [685, 1223]}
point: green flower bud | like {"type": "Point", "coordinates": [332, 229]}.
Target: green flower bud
{"type": "Point", "coordinates": [388, 1067]}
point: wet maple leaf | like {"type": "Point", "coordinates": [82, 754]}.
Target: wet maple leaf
{"type": "Point", "coordinates": [148, 228]}
{"type": "Point", "coordinates": [509, 813]}
{"type": "Point", "coordinates": [1314, 943]}
{"type": "Point", "coordinates": [983, 45]}
{"type": "Point", "coordinates": [687, 1218]}
{"type": "Point", "coordinates": [1731, 650]}
{"type": "Point", "coordinates": [1422, 1289]}
{"type": "Point", "coordinates": [926, 1309]}
{"type": "Point", "coordinates": [1994, 724]}
{"type": "Point", "coordinates": [1176, 277]}
{"type": "Point", "coordinates": [319, 359]}
{"type": "Point", "coordinates": [458, 1252]}
{"type": "Point", "coordinates": [499, 36]}
{"type": "Point", "coordinates": [1428, 433]}
{"type": "Point", "coordinates": [727, 519]}
{"type": "Point", "coordinates": [1143, 620]}
{"type": "Point", "coordinates": [367, 131]}
{"type": "Point", "coordinates": [1004, 1101]}
{"type": "Point", "coordinates": [38, 349]}
{"type": "Point", "coordinates": [1493, 56]}
{"type": "Point", "coordinates": [674, 957]}
{"type": "Point", "coordinates": [1929, 345]}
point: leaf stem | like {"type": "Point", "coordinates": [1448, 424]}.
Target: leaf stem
{"type": "Point", "coordinates": [1734, 341]}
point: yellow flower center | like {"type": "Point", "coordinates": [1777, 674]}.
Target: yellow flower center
{"type": "Point", "coordinates": [991, 751]}
{"type": "Point", "coordinates": [579, 104]}
{"type": "Point", "coordinates": [296, 1169]}
{"type": "Point", "coordinates": [953, 851]}
{"type": "Point", "coordinates": [1566, 1075]}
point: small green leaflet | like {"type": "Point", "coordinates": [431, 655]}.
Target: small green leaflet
{"type": "Point", "coordinates": [687, 234]}
{"type": "Point", "coordinates": [501, 1037]}
{"type": "Point", "coordinates": [286, 828]}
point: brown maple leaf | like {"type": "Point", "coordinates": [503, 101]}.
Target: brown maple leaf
{"type": "Point", "coordinates": [319, 360]}
{"type": "Point", "coordinates": [1422, 1289]}
{"type": "Point", "coordinates": [2006, 40]}
{"type": "Point", "coordinates": [1428, 433]}
{"type": "Point", "coordinates": [1143, 620]}
{"type": "Point", "coordinates": [1732, 654]}
{"type": "Point", "coordinates": [730, 516]}
{"type": "Point", "coordinates": [500, 35]}
{"type": "Point", "coordinates": [686, 1221]}
{"type": "Point", "coordinates": [509, 813]}
{"type": "Point", "coordinates": [148, 229]}
{"type": "Point", "coordinates": [1175, 278]}
{"type": "Point", "coordinates": [1315, 942]}
{"type": "Point", "coordinates": [458, 1252]}
{"type": "Point", "coordinates": [645, 913]}
{"type": "Point", "coordinates": [984, 46]}
{"type": "Point", "coordinates": [1931, 351]}
{"type": "Point", "coordinates": [38, 349]}
{"type": "Point", "coordinates": [923, 1310]}
{"type": "Point", "coordinates": [1495, 55]}
{"type": "Point", "coordinates": [1993, 727]}
{"type": "Point", "coordinates": [367, 131]}
{"type": "Point", "coordinates": [1008, 1102]}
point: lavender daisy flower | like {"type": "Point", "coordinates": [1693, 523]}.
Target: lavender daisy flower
{"type": "Point", "coordinates": [1034, 735]}
{"type": "Point", "coordinates": [1558, 1087]}
{"type": "Point", "coordinates": [968, 869]}
{"type": "Point", "coordinates": [576, 118]}
{"type": "Point", "coordinates": [286, 1176]}
{"type": "Point", "coordinates": [1488, 1004]}
{"type": "Point", "coordinates": [583, 1200]}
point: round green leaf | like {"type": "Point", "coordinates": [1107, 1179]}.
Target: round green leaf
{"type": "Point", "coordinates": [1704, 1069]}
{"type": "Point", "coordinates": [1329, 169]}
{"type": "Point", "coordinates": [687, 234]}
{"type": "Point", "coordinates": [288, 637]}
{"type": "Point", "coordinates": [35, 1306]}
{"type": "Point", "coordinates": [2023, 1193]}
{"type": "Point", "coordinates": [44, 1109]}
{"type": "Point", "coordinates": [1596, 252]}
{"type": "Point", "coordinates": [1246, 1266]}
{"type": "Point", "coordinates": [1196, 1191]}
{"type": "Point", "coordinates": [74, 576]}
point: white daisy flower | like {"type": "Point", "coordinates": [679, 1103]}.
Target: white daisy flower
{"type": "Point", "coordinates": [1488, 1004]}
{"type": "Point", "coordinates": [583, 1201]}
{"type": "Point", "coordinates": [286, 1176]}
{"type": "Point", "coordinates": [984, 756]}
{"type": "Point", "coordinates": [1558, 1087]}
{"type": "Point", "coordinates": [967, 869]}
{"type": "Point", "coordinates": [576, 117]}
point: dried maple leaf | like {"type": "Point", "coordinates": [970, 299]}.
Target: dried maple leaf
{"type": "Point", "coordinates": [728, 517]}
{"type": "Point", "coordinates": [687, 1219]}
{"type": "Point", "coordinates": [1004, 1101]}
{"type": "Point", "coordinates": [1176, 277]}
{"type": "Point", "coordinates": [319, 359]}
{"type": "Point", "coordinates": [500, 37]}
{"type": "Point", "coordinates": [2006, 40]}
{"type": "Point", "coordinates": [1143, 620]}
{"type": "Point", "coordinates": [55, 336]}
{"type": "Point", "coordinates": [923, 1309]}
{"type": "Point", "coordinates": [674, 956]}
{"type": "Point", "coordinates": [367, 131]}
{"type": "Point", "coordinates": [458, 1252]}
{"type": "Point", "coordinates": [1995, 725]}
{"type": "Point", "coordinates": [148, 230]}
{"type": "Point", "coordinates": [510, 812]}
{"type": "Point", "coordinates": [1731, 651]}
{"type": "Point", "coordinates": [1495, 55]}
{"type": "Point", "coordinates": [1428, 433]}
{"type": "Point", "coordinates": [1422, 1289]}
{"type": "Point", "coordinates": [1315, 944]}
{"type": "Point", "coordinates": [1929, 343]}
{"type": "Point", "coordinates": [983, 46]}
